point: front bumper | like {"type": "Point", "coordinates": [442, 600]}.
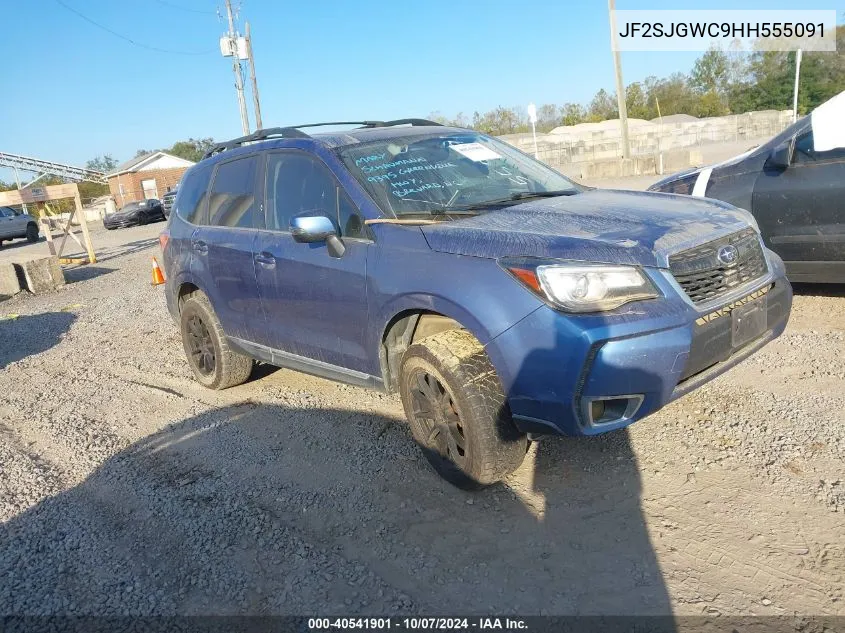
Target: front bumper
{"type": "Point", "coordinates": [121, 223]}
{"type": "Point", "coordinates": [554, 366]}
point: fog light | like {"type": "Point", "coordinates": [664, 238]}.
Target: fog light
{"type": "Point", "coordinates": [612, 410]}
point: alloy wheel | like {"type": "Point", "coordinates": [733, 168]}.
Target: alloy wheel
{"type": "Point", "coordinates": [435, 410]}
{"type": "Point", "coordinates": [201, 346]}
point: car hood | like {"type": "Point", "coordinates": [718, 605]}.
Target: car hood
{"type": "Point", "coordinates": [599, 225]}
{"type": "Point", "coordinates": [121, 215]}
{"type": "Point", "coordinates": [734, 162]}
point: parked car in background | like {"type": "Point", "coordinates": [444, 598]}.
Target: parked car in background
{"type": "Point", "coordinates": [135, 213]}
{"type": "Point", "coordinates": [15, 223]}
{"type": "Point", "coordinates": [500, 299]}
{"type": "Point", "coordinates": [167, 200]}
{"type": "Point", "coordinates": [794, 185]}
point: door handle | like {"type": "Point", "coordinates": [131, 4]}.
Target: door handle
{"type": "Point", "coordinates": [200, 246]}
{"type": "Point", "coordinates": [265, 259]}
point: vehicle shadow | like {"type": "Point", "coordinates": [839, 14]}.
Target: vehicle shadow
{"type": "Point", "coordinates": [22, 336]}
{"type": "Point", "coordinates": [267, 509]}
{"type": "Point", "coordinates": [19, 243]}
{"type": "Point", "coordinates": [818, 290]}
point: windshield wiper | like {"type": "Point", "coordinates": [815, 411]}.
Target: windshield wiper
{"type": "Point", "coordinates": [454, 211]}
{"type": "Point", "coordinates": [515, 197]}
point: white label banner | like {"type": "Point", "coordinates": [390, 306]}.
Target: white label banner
{"type": "Point", "coordinates": [728, 30]}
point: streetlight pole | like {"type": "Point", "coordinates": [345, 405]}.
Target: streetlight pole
{"type": "Point", "coordinates": [795, 91]}
{"type": "Point", "coordinates": [620, 85]}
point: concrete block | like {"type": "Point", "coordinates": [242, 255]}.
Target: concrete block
{"type": "Point", "coordinates": [9, 284]}
{"type": "Point", "coordinates": [41, 275]}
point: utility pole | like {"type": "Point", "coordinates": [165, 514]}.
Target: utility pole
{"type": "Point", "coordinates": [236, 68]}
{"type": "Point", "coordinates": [255, 100]}
{"type": "Point", "coordinates": [795, 91]}
{"type": "Point", "coordinates": [620, 85]}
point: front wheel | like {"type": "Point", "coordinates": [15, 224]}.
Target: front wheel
{"type": "Point", "coordinates": [457, 410]}
{"type": "Point", "coordinates": [32, 233]}
{"type": "Point", "coordinates": [213, 363]}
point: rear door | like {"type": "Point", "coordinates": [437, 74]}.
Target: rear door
{"type": "Point", "coordinates": [223, 247]}
{"type": "Point", "coordinates": [315, 304]}
{"type": "Point", "coordinates": [801, 209]}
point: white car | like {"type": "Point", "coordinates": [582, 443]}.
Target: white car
{"type": "Point", "coordinates": [15, 224]}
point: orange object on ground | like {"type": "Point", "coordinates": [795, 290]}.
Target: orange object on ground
{"type": "Point", "coordinates": [158, 276]}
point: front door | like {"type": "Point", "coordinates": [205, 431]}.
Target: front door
{"type": "Point", "coordinates": [315, 305]}
{"type": "Point", "coordinates": [224, 246]}
{"type": "Point", "coordinates": [7, 223]}
{"type": "Point", "coordinates": [801, 209]}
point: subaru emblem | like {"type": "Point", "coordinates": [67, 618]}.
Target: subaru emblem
{"type": "Point", "coordinates": [728, 254]}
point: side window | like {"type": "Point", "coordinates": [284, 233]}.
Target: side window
{"type": "Point", "coordinates": [299, 183]}
{"type": "Point", "coordinates": [351, 224]}
{"type": "Point", "coordinates": [191, 196]}
{"type": "Point", "coordinates": [804, 152]}
{"type": "Point", "coordinates": [232, 199]}
{"type": "Point", "coordinates": [4, 212]}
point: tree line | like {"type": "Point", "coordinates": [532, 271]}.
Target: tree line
{"type": "Point", "coordinates": [719, 83]}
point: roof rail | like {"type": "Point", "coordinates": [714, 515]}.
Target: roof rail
{"type": "Point", "coordinates": [293, 131]}
{"type": "Point", "coordinates": [258, 135]}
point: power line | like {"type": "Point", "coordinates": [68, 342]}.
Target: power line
{"type": "Point", "coordinates": [189, 10]}
{"type": "Point", "coordinates": [130, 40]}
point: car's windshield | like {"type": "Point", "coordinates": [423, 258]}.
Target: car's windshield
{"type": "Point", "coordinates": [460, 172]}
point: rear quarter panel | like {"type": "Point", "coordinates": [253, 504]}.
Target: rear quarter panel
{"type": "Point", "coordinates": [176, 260]}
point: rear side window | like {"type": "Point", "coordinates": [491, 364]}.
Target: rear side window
{"type": "Point", "coordinates": [191, 196]}
{"type": "Point", "coordinates": [232, 199]}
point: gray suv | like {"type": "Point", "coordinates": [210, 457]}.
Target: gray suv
{"type": "Point", "coordinates": [14, 223]}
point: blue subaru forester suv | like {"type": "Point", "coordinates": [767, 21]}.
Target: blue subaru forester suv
{"type": "Point", "coordinates": [501, 300]}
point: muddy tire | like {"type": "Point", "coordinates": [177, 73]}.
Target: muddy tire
{"type": "Point", "coordinates": [457, 410]}
{"type": "Point", "coordinates": [32, 232]}
{"type": "Point", "coordinates": [214, 364]}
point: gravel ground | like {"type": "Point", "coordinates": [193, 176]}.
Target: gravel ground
{"type": "Point", "coordinates": [126, 488]}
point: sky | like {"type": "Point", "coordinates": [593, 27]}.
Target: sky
{"type": "Point", "coordinates": [73, 91]}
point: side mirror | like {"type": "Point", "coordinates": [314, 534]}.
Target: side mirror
{"type": "Point", "coordinates": [314, 228]}
{"type": "Point", "coordinates": [310, 229]}
{"type": "Point", "coordinates": [781, 156]}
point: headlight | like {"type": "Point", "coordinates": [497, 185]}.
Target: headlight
{"type": "Point", "coordinates": [579, 287]}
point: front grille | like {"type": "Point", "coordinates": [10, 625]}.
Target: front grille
{"type": "Point", "coordinates": [167, 200]}
{"type": "Point", "coordinates": [704, 277]}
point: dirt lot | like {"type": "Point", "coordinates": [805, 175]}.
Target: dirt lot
{"type": "Point", "coordinates": [126, 488]}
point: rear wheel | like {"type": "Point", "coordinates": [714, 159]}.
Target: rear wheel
{"type": "Point", "coordinates": [32, 232]}
{"type": "Point", "coordinates": [213, 363]}
{"type": "Point", "coordinates": [458, 412]}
